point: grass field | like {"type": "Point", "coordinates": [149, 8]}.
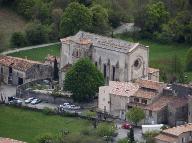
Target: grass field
{"type": "Point", "coordinates": [27, 125]}
{"type": "Point", "coordinates": [39, 54]}
{"type": "Point", "coordinates": [9, 22]}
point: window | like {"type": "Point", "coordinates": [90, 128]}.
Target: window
{"type": "Point", "coordinates": [113, 76]}
{"type": "Point", "coordinates": [136, 99]}
{"type": "Point", "coordinates": [105, 70]}
{"type": "Point", "coordinates": [137, 63]}
{"type": "Point", "coordinates": [183, 140]}
{"type": "Point", "coordinates": [150, 113]}
{"type": "Point", "coordinates": [2, 70]}
{"type": "Point", "coordinates": [144, 101]}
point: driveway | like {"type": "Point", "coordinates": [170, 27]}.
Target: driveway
{"type": "Point", "coordinates": [122, 133]}
{"type": "Point", "coordinates": [7, 91]}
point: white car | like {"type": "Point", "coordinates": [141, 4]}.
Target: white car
{"type": "Point", "coordinates": [75, 107]}
{"type": "Point", "coordinates": [27, 101]}
{"type": "Point", "coordinates": [35, 101]}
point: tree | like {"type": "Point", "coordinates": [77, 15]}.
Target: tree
{"type": "Point", "coordinates": [189, 60]}
{"type": "Point", "coordinates": [104, 129]}
{"type": "Point", "coordinates": [37, 33]}
{"type": "Point", "coordinates": [17, 40]}
{"type": "Point", "coordinates": [24, 7]}
{"type": "Point", "coordinates": [76, 17]}
{"type": "Point", "coordinates": [99, 20]}
{"type": "Point", "coordinates": [55, 70]}
{"type": "Point", "coordinates": [152, 17]}
{"type": "Point", "coordinates": [135, 115]}
{"type": "Point", "coordinates": [83, 80]}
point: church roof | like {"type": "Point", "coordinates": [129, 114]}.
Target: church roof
{"type": "Point", "coordinates": [102, 42]}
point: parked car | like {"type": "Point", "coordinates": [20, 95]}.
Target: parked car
{"type": "Point", "coordinates": [35, 101]}
{"type": "Point", "coordinates": [27, 101]}
{"type": "Point", "coordinates": [12, 98]}
{"type": "Point", "coordinates": [15, 101]}
{"type": "Point", "coordinates": [126, 126]}
{"type": "Point", "coordinates": [74, 107]}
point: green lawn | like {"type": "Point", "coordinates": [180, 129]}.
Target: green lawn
{"type": "Point", "coordinates": [27, 125]}
{"type": "Point", "coordinates": [39, 54]}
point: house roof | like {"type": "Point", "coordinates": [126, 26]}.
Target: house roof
{"type": "Point", "coordinates": [101, 41]}
{"type": "Point", "coordinates": [163, 101]}
{"type": "Point", "coordinates": [7, 140]}
{"type": "Point", "coordinates": [17, 63]}
{"type": "Point", "coordinates": [52, 58]}
{"type": "Point", "coordinates": [123, 88]}
{"type": "Point", "coordinates": [145, 94]}
{"type": "Point", "coordinates": [149, 84]}
{"type": "Point", "coordinates": [166, 138]}
{"type": "Point", "coordinates": [176, 131]}
{"type": "Point", "coordinates": [152, 70]}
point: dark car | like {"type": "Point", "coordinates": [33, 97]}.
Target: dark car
{"type": "Point", "coordinates": [126, 126]}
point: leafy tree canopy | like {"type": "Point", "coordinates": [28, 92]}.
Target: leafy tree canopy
{"type": "Point", "coordinates": [76, 17]}
{"type": "Point", "coordinates": [135, 115]}
{"type": "Point", "coordinates": [83, 80]}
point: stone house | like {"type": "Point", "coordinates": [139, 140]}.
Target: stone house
{"type": "Point", "coordinates": [119, 97]}
{"type": "Point", "coordinates": [179, 134]}
{"type": "Point", "coordinates": [171, 110]}
{"type": "Point", "coordinates": [50, 59]}
{"type": "Point", "coordinates": [17, 71]}
{"type": "Point", "coordinates": [118, 60]}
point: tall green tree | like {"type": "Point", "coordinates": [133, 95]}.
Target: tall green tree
{"type": "Point", "coordinates": [135, 115]}
{"type": "Point", "coordinates": [37, 33]}
{"type": "Point", "coordinates": [152, 17]}
{"type": "Point", "coordinates": [76, 17]}
{"type": "Point", "coordinates": [55, 70]}
{"type": "Point", "coordinates": [189, 60]}
{"type": "Point", "coordinates": [83, 80]}
{"type": "Point", "coordinates": [99, 19]}
{"type": "Point", "coordinates": [18, 40]}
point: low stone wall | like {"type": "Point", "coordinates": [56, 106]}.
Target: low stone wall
{"type": "Point", "coordinates": [21, 92]}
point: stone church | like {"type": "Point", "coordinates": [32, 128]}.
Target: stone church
{"type": "Point", "coordinates": [118, 60]}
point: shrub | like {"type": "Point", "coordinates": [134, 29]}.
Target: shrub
{"type": "Point", "coordinates": [48, 111]}
{"type": "Point", "coordinates": [125, 140]}
{"type": "Point", "coordinates": [17, 40]}
{"type": "Point", "coordinates": [45, 138]}
{"type": "Point", "coordinates": [105, 129]}
{"type": "Point", "coordinates": [149, 136]}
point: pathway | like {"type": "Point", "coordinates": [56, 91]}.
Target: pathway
{"type": "Point", "coordinates": [27, 48]}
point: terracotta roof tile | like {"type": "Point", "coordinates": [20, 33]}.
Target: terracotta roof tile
{"type": "Point", "coordinates": [7, 140]}
{"type": "Point", "coordinates": [152, 70]}
{"type": "Point", "coordinates": [145, 94]}
{"type": "Point", "coordinates": [150, 84]}
{"type": "Point", "coordinates": [166, 138]}
{"type": "Point", "coordinates": [123, 88]}
{"type": "Point", "coordinates": [176, 131]}
{"type": "Point", "coordinates": [17, 63]}
{"type": "Point", "coordinates": [163, 101]}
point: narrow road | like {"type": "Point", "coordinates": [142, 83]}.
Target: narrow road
{"type": "Point", "coordinates": [27, 48]}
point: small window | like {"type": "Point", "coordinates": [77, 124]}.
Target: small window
{"type": "Point", "coordinates": [113, 76]}
{"type": "Point", "coordinates": [136, 99]}
{"type": "Point", "coordinates": [144, 101]}
{"type": "Point", "coordinates": [150, 113]}
{"type": "Point", "coordinates": [2, 70]}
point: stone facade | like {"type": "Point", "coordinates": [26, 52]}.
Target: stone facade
{"type": "Point", "coordinates": [17, 71]}
{"type": "Point", "coordinates": [118, 60]}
